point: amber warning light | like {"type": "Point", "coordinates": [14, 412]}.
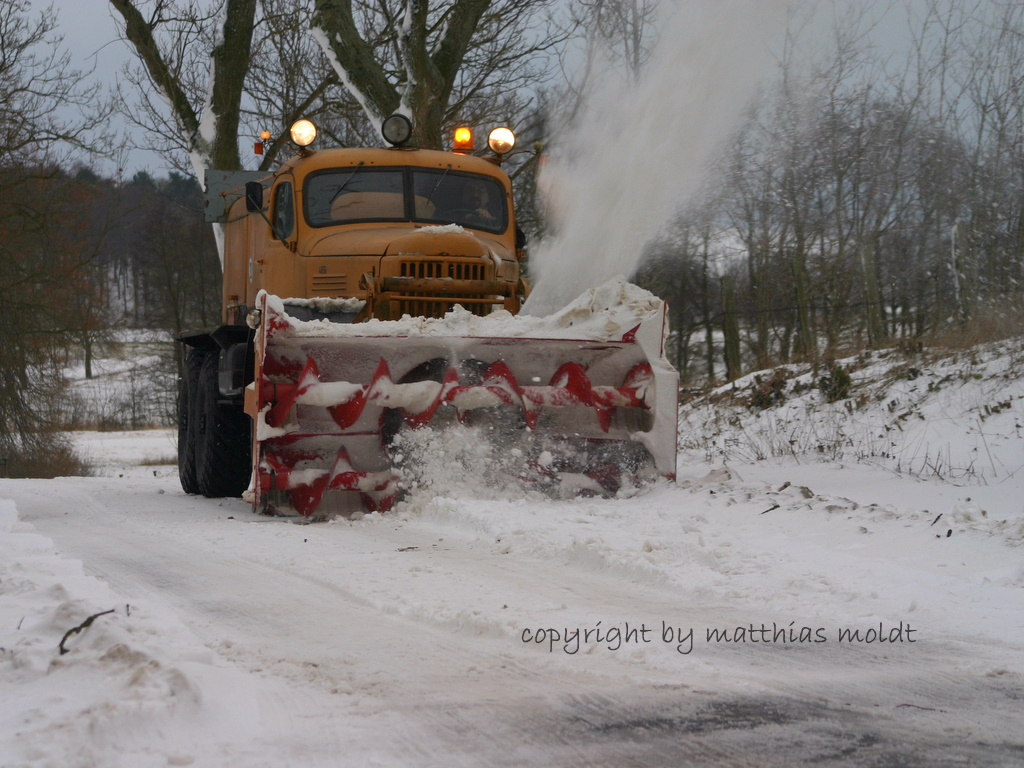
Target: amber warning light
{"type": "Point", "coordinates": [463, 140]}
{"type": "Point", "coordinates": [264, 138]}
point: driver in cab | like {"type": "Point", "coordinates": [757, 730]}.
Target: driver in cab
{"type": "Point", "coordinates": [476, 206]}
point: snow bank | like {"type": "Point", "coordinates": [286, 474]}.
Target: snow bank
{"type": "Point", "coordinates": [132, 689]}
{"type": "Point", "coordinates": [957, 417]}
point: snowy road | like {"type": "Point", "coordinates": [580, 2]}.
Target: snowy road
{"type": "Point", "coordinates": [411, 639]}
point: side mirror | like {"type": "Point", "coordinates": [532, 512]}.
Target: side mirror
{"type": "Point", "coordinates": [253, 196]}
{"type": "Point", "coordinates": [520, 238]}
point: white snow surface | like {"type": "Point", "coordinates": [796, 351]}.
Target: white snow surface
{"type": "Point", "coordinates": [477, 625]}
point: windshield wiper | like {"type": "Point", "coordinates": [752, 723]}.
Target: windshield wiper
{"type": "Point", "coordinates": [431, 195]}
{"type": "Point", "coordinates": [344, 184]}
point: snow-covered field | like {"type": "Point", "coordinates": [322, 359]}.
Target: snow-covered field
{"type": "Point", "coordinates": [831, 584]}
{"type": "Point", "coordinates": [129, 384]}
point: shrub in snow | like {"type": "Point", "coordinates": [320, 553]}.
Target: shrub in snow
{"type": "Point", "coordinates": [835, 385]}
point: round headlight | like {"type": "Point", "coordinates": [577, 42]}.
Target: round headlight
{"type": "Point", "coordinates": [396, 130]}
{"type": "Point", "coordinates": [501, 141]}
{"type": "Point", "coordinates": [303, 132]}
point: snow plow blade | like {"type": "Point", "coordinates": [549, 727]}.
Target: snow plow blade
{"type": "Point", "coordinates": [589, 384]}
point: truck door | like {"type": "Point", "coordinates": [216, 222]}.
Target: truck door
{"type": "Point", "coordinates": [272, 246]}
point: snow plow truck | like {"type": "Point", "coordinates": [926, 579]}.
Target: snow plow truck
{"type": "Point", "coordinates": [368, 292]}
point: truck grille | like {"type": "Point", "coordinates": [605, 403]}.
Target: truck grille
{"type": "Point", "coordinates": [443, 268]}
{"type": "Point", "coordinates": [453, 269]}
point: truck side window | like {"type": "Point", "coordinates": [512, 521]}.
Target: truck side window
{"type": "Point", "coordinates": [284, 210]}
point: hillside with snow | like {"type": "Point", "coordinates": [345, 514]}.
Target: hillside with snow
{"type": "Point", "coordinates": [833, 583]}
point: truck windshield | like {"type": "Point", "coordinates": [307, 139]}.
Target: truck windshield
{"type": "Point", "coordinates": [346, 195]}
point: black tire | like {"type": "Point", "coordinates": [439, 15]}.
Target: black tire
{"type": "Point", "coordinates": [186, 420]}
{"type": "Point", "coordinates": [223, 446]}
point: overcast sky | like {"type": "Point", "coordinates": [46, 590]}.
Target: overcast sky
{"type": "Point", "coordinates": [90, 34]}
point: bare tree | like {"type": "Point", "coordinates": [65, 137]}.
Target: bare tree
{"type": "Point", "coordinates": [615, 34]}
{"type": "Point", "coordinates": [196, 71]}
{"type": "Point", "coordinates": [291, 78]}
{"type": "Point", "coordinates": [38, 267]}
{"type": "Point", "coordinates": [243, 66]}
{"type": "Point", "coordinates": [672, 266]}
{"type": "Point", "coordinates": [434, 62]}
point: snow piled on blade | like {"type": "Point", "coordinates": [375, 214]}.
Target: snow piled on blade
{"type": "Point", "coordinates": [605, 313]}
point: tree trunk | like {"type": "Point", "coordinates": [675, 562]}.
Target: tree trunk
{"type": "Point", "coordinates": [759, 293]}
{"type": "Point", "coordinates": [87, 346]}
{"type": "Point", "coordinates": [211, 143]}
{"type": "Point", "coordinates": [230, 64]}
{"type": "Point", "coordinates": [683, 352]}
{"type": "Point", "coordinates": [959, 257]}
{"type": "Point", "coordinates": [730, 328]}
{"type": "Point", "coordinates": [705, 306]}
{"type": "Point", "coordinates": [805, 333]}
{"type": "Point", "coordinates": [872, 302]}
{"type": "Point", "coordinates": [430, 68]}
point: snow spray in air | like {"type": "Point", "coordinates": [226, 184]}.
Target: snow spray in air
{"type": "Point", "coordinates": [639, 149]}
